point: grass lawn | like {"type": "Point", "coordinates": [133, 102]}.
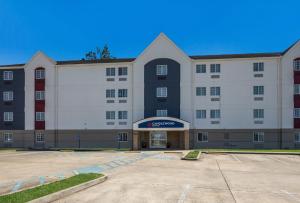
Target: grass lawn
{"type": "Point", "coordinates": [37, 192]}
{"type": "Point", "coordinates": [192, 154]}
{"type": "Point", "coordinates": [253, 150]}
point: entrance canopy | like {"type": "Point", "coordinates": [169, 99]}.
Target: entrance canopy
{"type": "Point", "coordinates": [161, 124]}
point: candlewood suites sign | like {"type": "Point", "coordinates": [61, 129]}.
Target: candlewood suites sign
{"type": "Point", "coordinates": [161, 124]}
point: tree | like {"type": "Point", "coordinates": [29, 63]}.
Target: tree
{"type": "Point", "coordinates": [99, 53]}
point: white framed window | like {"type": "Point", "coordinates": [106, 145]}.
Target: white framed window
{"type": "Point", "coordinates": [39, 95]}
{"type": "Point", "coordinates": [258, 67]}
{"type": "Point", "coordinates": [215, 91]}
{"type": "Point", "coordinates": [161, 92]}
{"type": "Point", "coordinates": [296, 112]}
{"type": "Point", "coordinates": [258, 113]}
{"type": "Point", "coordinates": [296, 89]}
{"type": "Point", "coordinates": [122, 115]}
{"type": "Point", "coordinates": [162, 113]}
{"type": "Point", "coordinates": [258, 137]}
{"type": "Point", "coordinates": [122, 71]}
{"type": "Point", "coordinates": [40, 73]}
{"type": "Point", "coordinates": [110, 72]}
{"type": "Point", "coordinates": [123, 136]}
{"type": "Point", "coordinates": [8, 96]}
{"type": "Point", "coordinates": [200, 91]}
{"type": "Point", "coordinates": [8, 116]}
{"type": "Point", "coordinates": [161, 69]}
{"type": "Point", "coordinates": [201, 68]}
{"type": "Point", "coordinates": [202, 137]}
{"type": "Point", "coordinates": [258, 90]}
{"type": "Point", "coordinates": [297, 137]}
{"type": "Point", "coordinates": [215, 68]}
{"type": "Point", "coordinates": [110, 115]}
{"type": "Point", "coordinates": [201, 114]}
{"type": "Point", "coordinates": [110, 93]}
{"type": "Point", "coordinates": [8, 137]}
{"type": "Point", "coordinates": [122, 93]}
{"type": "Point", "coordinates": [39, 137]}
{"type": "Point", "coordinates": [297, 64]}
{"type": "Point", "coordinates": [40, 116]}
{"type": "Point", "coordinates": [215, 113]}
{"type": "Point", "coordinates": [8, 75]}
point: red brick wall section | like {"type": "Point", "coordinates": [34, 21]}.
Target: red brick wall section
{"type": "Point", "coordinates": [39, 105]}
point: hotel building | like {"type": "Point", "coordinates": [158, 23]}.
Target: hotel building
{"type": "Point", "coordinates": [164, 98]}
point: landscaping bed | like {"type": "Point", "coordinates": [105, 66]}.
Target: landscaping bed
{"type": "Point", "coordinates": [43, 190]}
{"type": "Point", "coordinates": [192, 155]}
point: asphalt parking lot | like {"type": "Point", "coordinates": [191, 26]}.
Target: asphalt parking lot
{"type": "Point", "coordinates": [163, 177]}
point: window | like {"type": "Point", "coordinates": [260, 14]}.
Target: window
{"type": "Point", "coordinates": [110, 93]}
{"type": "Point", "coordinates": [258, 90]}
{"type": "Point", "coordinates": [296, 88]}
{"type": "Point", "coordinates": [258, 67]}
{"type": "Point", "coordinates": [201, 114]}
{"type": "Point", "coordinates": [215, 68]}
{"type": "Point", "coordinates": [39, 137]}
{"type": "Point", "coordinates": [258, 137]}
{"type": "Point", "coordinates": [122, 92]}
{"type": "Point", "coordinates": [40, 95]}
{"type": "Point", "coordinates": [201, 68]}
{"type": "Point", "coordinates": [162, 113]}
{"type": "Point", "coordinates": [8, 75]}
{"type": "Point", "coordinates": [110, 115]}
{"type": "Point", "coordinates": [122, 114]}
{"type": "Point", "coordinates": [203, 137]}
{"type": "Point", "coordinates": [40, 116]}
{"type": "Point", "coordinates": [200, 91]}
{"type": "Point", "coordinates": [8, 137]}
{"type": "Point", "coordinates": [110, 72]}
{"type": "Point", "coordinates": [215, 113]}
{"type": "Point", "coordinates": [215, 91]}
{"type": "Point", "coordinates": [258, 113]}
{"type": "Point", "coordinates": [122, 71]}
{"type": "Point", "coordinates": [8, 116]}
{"type": "Point", "coordinates": [296, 112]}
{"type": "Point", "coordinates": [8, 96]}
{"type": "Point", "coordinates": [123, 137]}
{"type": "Point", "coordinates": [297, 64]}
{"type": "Point", "coordinates": [161, 69]}
{"type": "Point", "coordinates": [161, 92]}
{"type": "Point", "coordinates": [297, 137]}
{"type": "Point", "coordinates": [40, 74]}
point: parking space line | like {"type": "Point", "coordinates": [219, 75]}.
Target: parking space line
{"type": "Point", "coordinates": [291, 195]}
{"type": "Point", "coordinates": [17, 186]}
{"type": "Point", "coordinates": [184, 193]}
{"type": "Point", "coordinates": [278, 160]}
{"type": "Point", "coordinates": [236, 158]}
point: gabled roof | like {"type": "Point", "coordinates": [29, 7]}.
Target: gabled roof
{"type": "Point", "coordinates": [228, 56]}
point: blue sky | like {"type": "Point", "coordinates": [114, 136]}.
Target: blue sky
{"type": "Point", "coordinates": [68, 29]}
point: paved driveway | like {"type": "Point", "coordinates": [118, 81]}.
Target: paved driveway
{"type": "Point", "coordinates": [215, 178]}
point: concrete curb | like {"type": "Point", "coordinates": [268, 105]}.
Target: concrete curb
{"type": "Point", "coordinates": [69, 191]}
{"type": "Point", "coordinates": [195, 159]}
{"type": "Point", "coordinates": [267, 153]}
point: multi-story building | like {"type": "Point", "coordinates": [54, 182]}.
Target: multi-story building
{"type": "Point", "coordinates": [161, 99]}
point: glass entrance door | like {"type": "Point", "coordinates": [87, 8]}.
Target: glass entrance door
{"type": "Point", "coordinates": [158, 139]}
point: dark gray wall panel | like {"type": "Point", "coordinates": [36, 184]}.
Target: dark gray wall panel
{"type": "Point", "coordinates": [171, 81]}
{"type": "Point", "coordinates": [18, 104]}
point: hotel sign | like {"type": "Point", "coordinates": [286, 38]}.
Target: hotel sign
{"type": "Point", "coordinates": [161, 124]}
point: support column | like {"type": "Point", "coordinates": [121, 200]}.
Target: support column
{"type": "Point", "coordinates": [135, 138]}
{"type": "Point", "coordinates": [186, 139]}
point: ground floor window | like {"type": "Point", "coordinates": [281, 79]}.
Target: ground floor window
{"type": "Point", "coordinates": [203, 137]}
{"type": "Point", "coordinates": [39, 137]}
{"type": "Point", "coordinates": [123, 137]}
{"type": "Point", "coordinates": [297, 137]}
{"type": "Point", "coordinates": [258, 137]}
{"type": "Point", "coordinates": [8, 137]}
